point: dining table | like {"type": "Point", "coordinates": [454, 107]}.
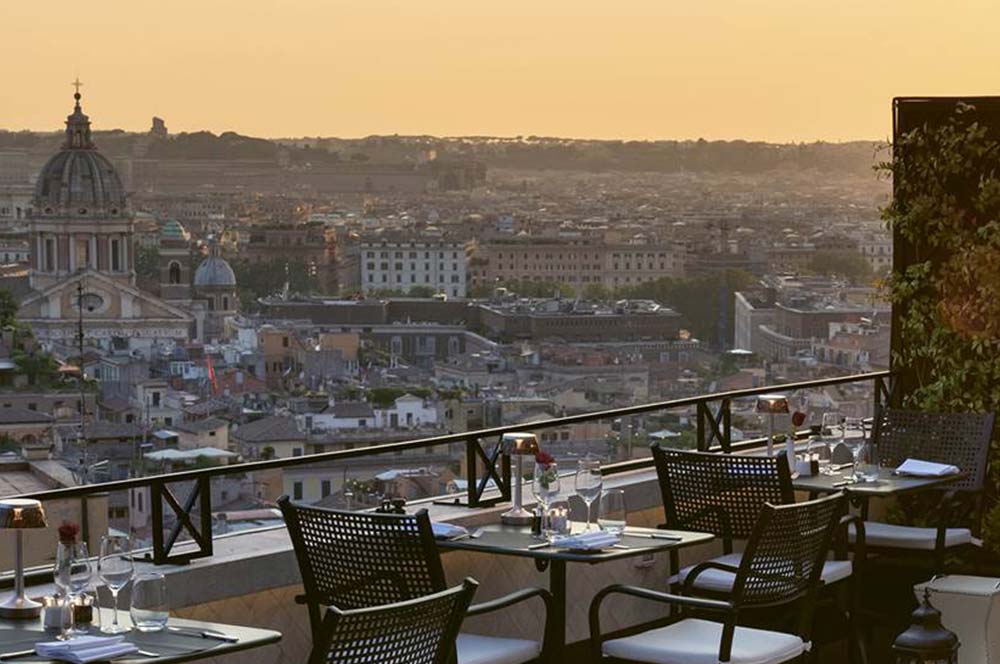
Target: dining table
{"type": "Point", "coordinates": [889, 484]}
{"type": "Point", "coordinates": [182, 641]}
{"type": "Point", "coordinates": [518, 541]}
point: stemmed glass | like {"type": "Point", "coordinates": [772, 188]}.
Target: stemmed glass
{"type": "Point", "coordinates": [589, 482]}
{"type": "Point", "coordinates": [115, 568]}
{"type": "Point", "coordinates": [853, 435]}
{"type": "Point", "coordinates": [72, 574]}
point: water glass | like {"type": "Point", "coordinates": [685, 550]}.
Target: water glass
{"type": "Point", "coordinates": [72, 573]}
{"type": "Point", "coordinates": [589, 482]}
{"type": "Point", "coordinates": [611, 514]}
{"type": "Point", "coordinates": [831, 425]}
{"type": "Point", "coordinates": [545, 483]}
{"type": "Point", "coordinates": [556, 521]}
{"type": "Point", "coordinates": [149, 610]}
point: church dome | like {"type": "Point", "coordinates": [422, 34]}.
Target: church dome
{"type": "Point", "coordinates": [214, 271]}
{"type": "Point", "coordinates": [173, 230]}
{"type": "Point", "coordinates": [78, 180]}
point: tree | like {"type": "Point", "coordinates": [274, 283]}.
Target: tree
{"type": "Point", "coordinates": [422, 291]}
{"type": "Point", "coordinates": [597, 292]}
{"type": "Point", "coordinates": [262, 279]}
{"type": "Point", "coordinates": [8, 308]}
{"type": "Point", "coordinates": [847, 264]}
{"type": "Point", "coordinates": [147, 262]}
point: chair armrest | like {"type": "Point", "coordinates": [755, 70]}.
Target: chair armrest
{"type": "Point", "coordinates": [510, 600]}
{"type": "Point", "coordinates": [701, 567]}
{"type": "Point", "coordinates": [842, 537]}
{"type": "Point", "coordinates": [949, 507]}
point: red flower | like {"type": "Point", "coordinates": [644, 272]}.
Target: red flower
{"type": "Point", "coordinates": [544, 458]}
{"type": "Point", "coordinates": [68, 532]}
{"type": "Point", "coordinates": [798, 418]}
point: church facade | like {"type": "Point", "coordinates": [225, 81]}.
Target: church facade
{"type": "Point", "coordinates": [82, 264]}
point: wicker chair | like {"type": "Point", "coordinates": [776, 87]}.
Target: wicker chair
{"type": "Point", "coordinates": [356, 560]}
{"type": "Point", "coordinates": [960, 439]}
{"type": "Point", "coordinates": [781, 565]}
{"type": "Point", "coordinates": [723, 494]}
{"type": "Point", "coordinates": [417, 631]}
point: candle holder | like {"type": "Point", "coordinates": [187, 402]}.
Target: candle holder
{"type": "Point", "coordinates": [20, 514]}
{"type": "Point", "coordinates": [518, 445]}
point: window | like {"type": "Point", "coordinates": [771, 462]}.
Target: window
{"type": "Point", "coordinates": [50, 254]}
{"type": "Point", "coordinates": [362, 423]}
{"type": "Point", "coordinates": [139, 500]}
{"type": "Point", "coordinates": [154, 398]}
{"type": "Point", "coordinates": [284, 342]}
{"type": "Point", "coordinates": [297, 490]}
{"type": "Point", "coordinates": [225, 303]}
{"type": "Point", "coordinates": [116, 255]}
{"type": "Point", "coordinates": [296, 451]}
{"type": "Point", "coordinates": [175, 273]}
{"type": "Point", "coordinates": [324, 488]}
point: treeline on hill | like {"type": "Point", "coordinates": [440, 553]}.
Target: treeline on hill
{"type": "Point", "coordinates": [518, 153]}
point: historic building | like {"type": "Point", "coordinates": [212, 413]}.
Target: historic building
{"type": "Point", "coordinates": [82, 263]}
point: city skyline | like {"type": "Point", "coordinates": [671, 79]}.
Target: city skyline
{"type": "Point", "coordinates": [773, 70]}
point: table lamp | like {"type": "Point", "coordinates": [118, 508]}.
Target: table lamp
{"type": "Point", "coordinates": [772, 404]}
{"type": "Point", "coordinates": [19, 514]}
{"type": "Point", "coordinates": [519, 445]}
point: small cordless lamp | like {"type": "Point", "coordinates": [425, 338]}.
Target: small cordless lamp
{"type": "Point", "coordinates": [20, 514]}
{"type": "Point", "coordinates": [772, 404]}
{"type": "Point", "coordinates": [926, 640]}
{"type": "Point", "coordinates": [518, 444]}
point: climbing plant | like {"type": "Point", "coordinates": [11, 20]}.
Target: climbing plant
{"type": "Point", "coordinates": [946, 207]}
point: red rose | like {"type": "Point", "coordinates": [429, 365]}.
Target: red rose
{"type": "Point", "coordinates": [544, 458]}
{"type": "Point", "coordinates": [798, 418]}
{"type": "Point", "coordinates": [68, 532]}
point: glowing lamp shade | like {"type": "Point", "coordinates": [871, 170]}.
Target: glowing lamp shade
{"type": "Point", "coordinates": [20, 514]}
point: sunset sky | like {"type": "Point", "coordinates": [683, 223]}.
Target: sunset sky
{"type": "Point", "coordinates": [780, 70]}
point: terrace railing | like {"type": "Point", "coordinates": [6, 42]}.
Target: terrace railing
{"type": "Point", "coordinates": [193, 513]}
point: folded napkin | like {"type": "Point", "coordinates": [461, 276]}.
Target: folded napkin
{"type": "Point", "coordinates": [86, 649]}
{"type": "Point", "coordinates": [590, 540]}
{"type": "Point", "coordinates": [447, 530]}
{"type": "Point", "coordinates": [918, 468]}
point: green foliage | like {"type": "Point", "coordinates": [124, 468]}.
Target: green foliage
{"type": "Point", "coordinates": [947, 205]}
{"type": "Point", "coordinates": [37, 366]}
{"type": "Point", "coordinates": [702, 301]}
{"type": "Point", "coordinates": [848, 264]}
{"type": "Point", "coordinates": [8, 308]}
{"type": "Point", "coordinates": [147, 262]}
{"type": "Point", "coordinates": [422, 291]}
{"type": "Point", "coordinates": [383, 397]}
{"type": "Point", "coordinates": [597, 293]}
{"type": "Point", "coordinates": [528, 289]}
{"type": "Point", "coordinates": [261, 279]}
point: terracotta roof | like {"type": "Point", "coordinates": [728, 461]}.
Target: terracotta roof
{"type": "Point", "coordinates": [275, 428]}
{"type": "Point", "coordinates": [23, 416]}
{"type": "Point", "coordinates": [199, 426]}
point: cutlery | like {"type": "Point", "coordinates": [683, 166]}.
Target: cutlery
{"type": "Point", "coordinates": [539, 545]}
{"type": "Point", "coordinates": [16, 653]}
{"type": "Point", "coordinates": [148, 653]}
{"type": "Point", "coordinates": [663, 536]}
{"type": "Point", "coordinates": [474, 534]}
{"type": "Point", "coordinates": [205, 634]}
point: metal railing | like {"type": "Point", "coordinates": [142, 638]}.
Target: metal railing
{"type": "Point", "coordinates": [482, 449]}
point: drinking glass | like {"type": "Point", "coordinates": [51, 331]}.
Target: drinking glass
{"type": "Point", "coordinates": [556, 521]}
{"type": "Point", "coordinates": [115, 568]}
{"type": "Point", "coordinates": [589, 482]}
{"type": "Point", "coordinates": [72, 574]}
{"type": "Point", "coordinates": [853, 436]}
{"type": "Point", "coordinates": [149, 610]}
{"type": "Point", "coordinates": [831, 424]}
{"type": "Point", "coordinates": [545, 486]}
{"type": "Point", "coordinates": [611, 514]}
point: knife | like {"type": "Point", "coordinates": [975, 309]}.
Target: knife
{"type": "Point", "coordinates": [205, 634]}
{"type": "Point", "coordinates": [16, 653]}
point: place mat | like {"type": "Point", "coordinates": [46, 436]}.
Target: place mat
{"type": "Point", "coordinates": [166, 644]}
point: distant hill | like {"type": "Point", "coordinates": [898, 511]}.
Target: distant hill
{"type": "Point", "coordinates": [527, 153]}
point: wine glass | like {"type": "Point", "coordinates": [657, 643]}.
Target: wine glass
{"type": "Point", "coordinates": [589, 482]}
{"type": "Point", "coordinates": [115, 568]}
{"type": "Point", "coordinates": [831, 422]}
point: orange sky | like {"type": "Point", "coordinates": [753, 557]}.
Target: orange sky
{"type": "Point", "coordinates": [760, 69]}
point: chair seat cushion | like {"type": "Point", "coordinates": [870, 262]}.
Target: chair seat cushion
{"type": "Point", "coordinates": [478, 649]}
{"type": "Point", "coordinates": [889, 535]}
{"type": "Point", "coordinates": [695, 641]}
{"type": "Point", "coordinates": [721, 581]}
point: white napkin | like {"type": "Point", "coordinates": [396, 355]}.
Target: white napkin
{"type": "Point", "coordinates": [86, 649]}
{"type": "Point", "coordinates": [447, 530]}
{"type": "Point", "coordinates": [918, 468]}
{"type": "Point", "coordinates": [590, 540]}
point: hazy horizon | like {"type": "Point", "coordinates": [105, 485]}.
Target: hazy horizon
{"type": "Point", "coordinates": [770, 70]}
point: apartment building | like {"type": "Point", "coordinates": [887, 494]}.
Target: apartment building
{"type": "Point", "coordinates": [578, 264]}
{"type": "Point", "coordinates": [401, 265]}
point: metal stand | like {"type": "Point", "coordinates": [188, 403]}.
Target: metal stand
{"type": "Point", "coordinates": [18, 605]}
